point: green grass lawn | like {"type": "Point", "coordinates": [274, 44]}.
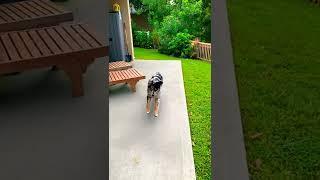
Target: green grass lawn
{"type": "Point", "coordinates": [197, 83]}
{"type": "Point", "coordinates": [277, 57]}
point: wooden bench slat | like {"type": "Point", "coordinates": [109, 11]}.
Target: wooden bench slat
{"type": "Point", "coordinates": [82, 43]}
{"type": "Point", "coordinates": [2, 20]}
{"type": "Point", "coordinates": [39, 8]}
{"type": "Point", "coordinates": [50, 43]}
{"type": "Point", "coordinates": [95, 36]}
{"type": "Point", "coordinates": [68, 39]}
{"type": "Point", "coordinates": [133, 72]}
{"type": "Point", "coordinates": [54, 6]}
{"type": "Point", "coordinates": [128, 76]}
{"type": "Point", "coordinates": [85, 36]}
{"type": "Point", "coordinates": [26, 5]}
{"type": "Point", "coordinates": [17, 11]}
{"type": "Point", "coordinates": [31, 14]}
{"type": "Point", "coordinates": [39, 43]}
{"type": "Point", "coordinates": [120, 75]}
{"type": "Point", "coordinates": [112, 77]}
{"type": "Point", "coordinates": [5, 10]}
{"type": "Point", "coordinates": [60, 42]}
{"type": "Point", "coordinates": [3, 54]}
{"type": "Point", "coordinates": [46, 7]}
{"type": "Point", "coordinates": [123, 76]}
{"type": "Point", "coordinates": [117, 77]}
{"type": "Point", "coordinates": [136, 74]}
{"type": "Point", "coordinates": [13, 54]}
{"type": "Point", "coordinates": [20, 46]}
{"type": "Point", "coordinates": [6, 17]}
{"type": "Point", "coordinates": [24, 10]}
{"type": "Point", "coordinates": [30, 44]}
{"type": "Point", "coordinates": [119, 65]}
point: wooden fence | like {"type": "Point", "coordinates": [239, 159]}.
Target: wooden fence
{"type": "Point", "coordinates": [202, 50]}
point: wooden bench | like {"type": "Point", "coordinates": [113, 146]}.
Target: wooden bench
{"type": "Point", "coordinates": [31, 14]}
{"type": "Point", "coordinates": [129, 76]}
{"type": "Point", "coordinates": [71, 48]}
{"type": "Point", "coordinates": [119, 65]}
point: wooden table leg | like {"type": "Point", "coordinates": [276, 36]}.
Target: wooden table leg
{"type": "Point", "coordinates": [74, 71]}
{"type": "Point", "coordinates": [85, 63]}
{"type": "Point", "coordinates": [132, 85]}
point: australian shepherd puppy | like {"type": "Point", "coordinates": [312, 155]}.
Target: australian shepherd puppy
{"type": "Point", "coordinates": [153, 91]}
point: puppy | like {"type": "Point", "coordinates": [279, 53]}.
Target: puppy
{"type": "Point", "coordinates": [153, 91]}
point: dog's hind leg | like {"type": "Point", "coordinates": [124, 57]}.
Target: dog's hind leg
{"type": "Point", "coordinates": [156, 107]}
{"type": "Point", "coordinates": [148, 104]}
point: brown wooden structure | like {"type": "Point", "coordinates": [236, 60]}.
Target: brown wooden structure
{"type": "Point", "coordinates": [31, 14]}
{"type": "Point", "coordinates": [119, 65]}
{"type": "Point", "coordinates": [71, 48]}
{"type": "Point", "coordinates": [202, 50]}
{"type": "Point", "coordinates": [130, 76]}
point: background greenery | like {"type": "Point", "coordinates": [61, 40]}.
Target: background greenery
{"type": "Point", "coordinates": [175, 23]}
{"type": "Point", "coordinates": [276, 51]}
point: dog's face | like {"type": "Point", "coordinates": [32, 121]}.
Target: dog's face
{"type": "Point", "coordinates": [154, 85]}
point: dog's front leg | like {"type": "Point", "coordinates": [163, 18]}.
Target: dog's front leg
{"type": "Point", "coordinates": [148, 104]}
{"type": "Point", "coordinates": [156, 107]}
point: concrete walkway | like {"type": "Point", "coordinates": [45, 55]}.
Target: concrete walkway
{"type": "Point", "coordinates": [141, 146]}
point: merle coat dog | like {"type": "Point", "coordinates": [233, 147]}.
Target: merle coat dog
{"type": "Point", "coordinates": [153, 91]}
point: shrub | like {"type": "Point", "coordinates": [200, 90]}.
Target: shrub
{"type": "Point", "coordinates": [170, 27]}
{"type": "Point", "coordinates": [178, 29]}
{"type": "Point", "coordinates": [179, 46]}
{"type": "Point", "coordinates": [142, 39]}
{"type": "Point", "coordinates": [155, 39]}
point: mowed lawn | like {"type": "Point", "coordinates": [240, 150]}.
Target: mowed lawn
{"type": "Point", "coordinates": [277, 57]}
{"type": "Point", "coordinates": [197, 83]}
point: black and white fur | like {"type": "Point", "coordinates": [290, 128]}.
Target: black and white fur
{"type": "Point", "coordinates": [153, 91]}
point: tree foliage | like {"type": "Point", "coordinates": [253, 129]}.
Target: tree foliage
{"type": "Point", "coordinates": [177, 21]}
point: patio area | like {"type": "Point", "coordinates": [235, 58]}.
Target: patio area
{"type": "Point", "coordinates": [142, 146]}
